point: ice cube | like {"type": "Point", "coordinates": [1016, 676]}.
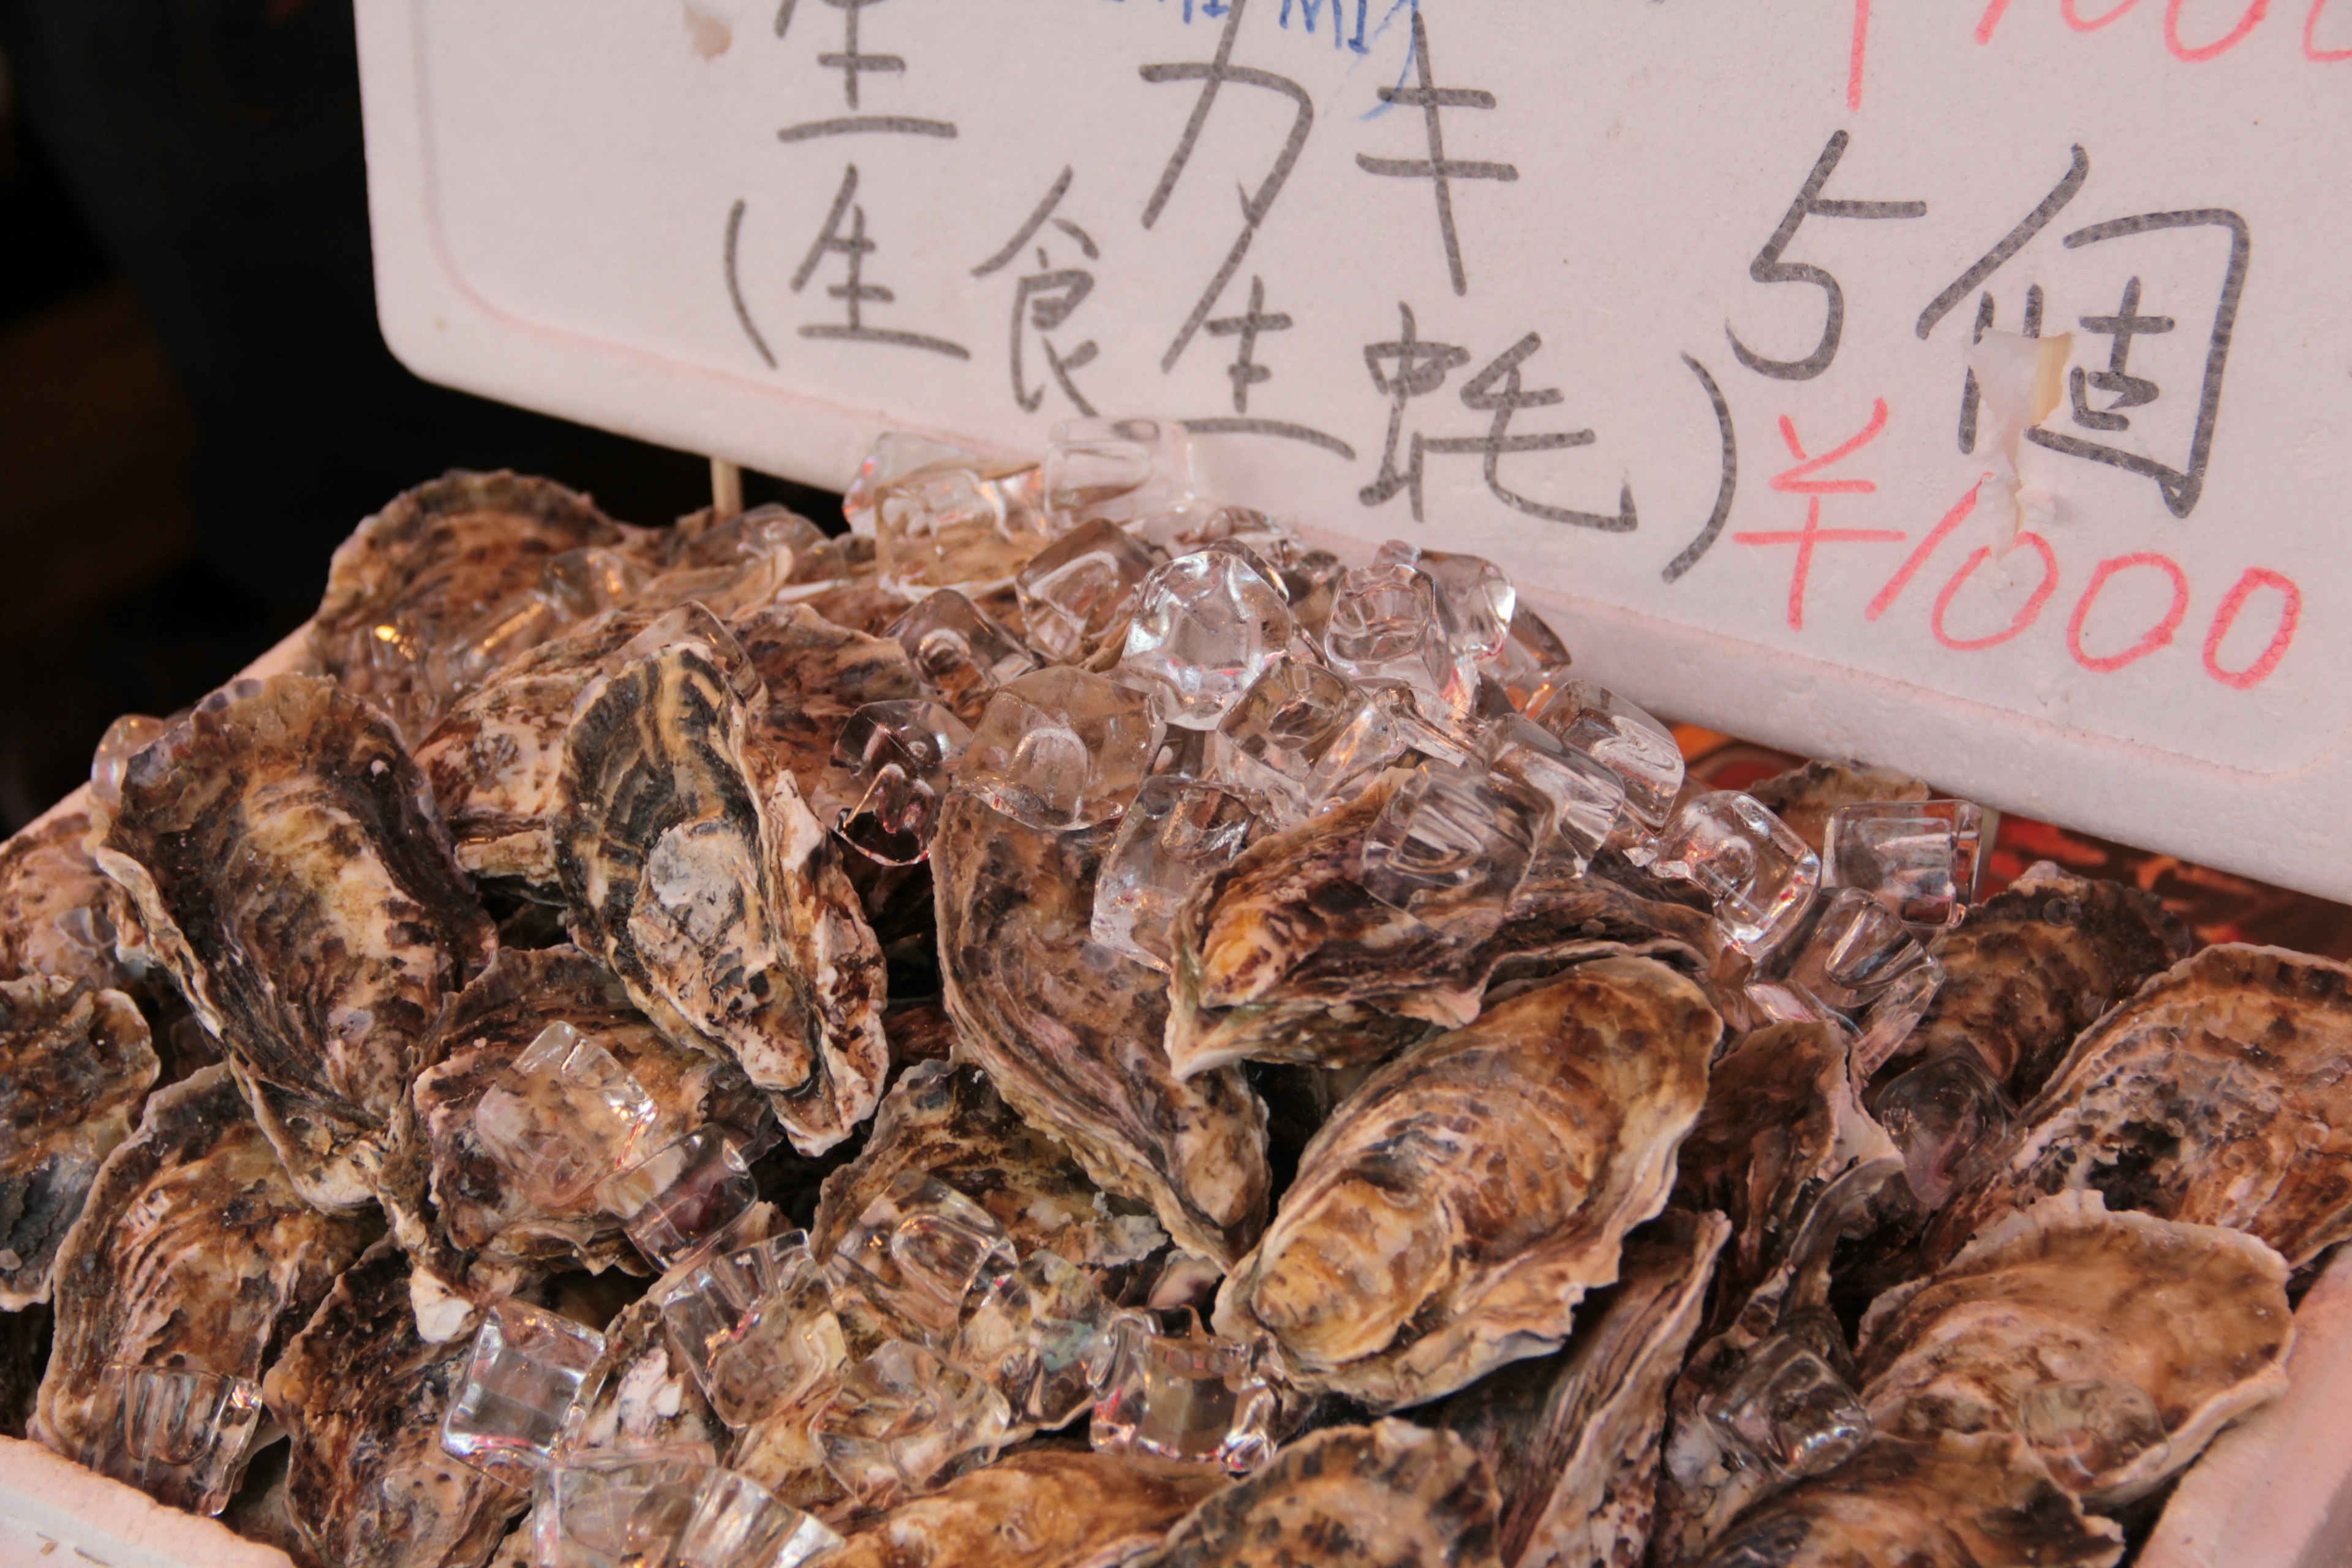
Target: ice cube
{"type": "Point", "coordinates": [1586, 799]}
{"type": "Point", "coordinates": [1761, 875]}
{"type": "Point", "coordinates": [1041, 1337]}
{"type": "Point", "coordinates": [895, 455]}
{"type": "Point", "coordinates": [1918, 857]}
{"type": "Point", "coordinates": [898, 757]}
{"type": "Point", "coordinates": [1310, 580]}
{"type": "Point", "coordinates": [736, 1522]}
{"type": "Point", "coordinates": [1861, 960]}
{"type": "Point", "coordinates": [1205, 627]}
{"type": "Point", "coordinates": [924, 1247]}
{"type": "Point", "coordinates": [1789, 1410]}
{"type": "Point", "coordinates": [1384, 627]}
{"type": "Point", "coordinates": [903, 1421]}
{"type": "Point", "coordinates": [1117, 469]}
{"type": "Point", "coordinates": [959, 525]}
{"type": "Point", "coordinates": [1175, 834]}
{"type": "Point", "coordinates": [124, 739]}
{"type": "Point", "coordinates": [528, 1369]}
{"type": "Point", "coordinates": [1172, 1391]}
{"type": "Point", "coordinates": [962, 654]}
{"type": "Point", "coordinates": [1533, 659]}
{"type": "Point", "coordinates": [1474, 606]}
{"type": "Point", "coordinates": [617, 1511]}
{"type": "Point", "coordinates": [755, 1325]}
{"type": "Point", "coordinates": [680, 1197]}
{"type": "Point", "coordinates": [2086, 1431]}
{"type": "Point", "coordinates": [1452, 840]}
{"type": "Point", "coordinates": [1947, 1115]}
{"type": "Point", "coordinates": [1276, 736]}
{"type": "Point", "coordinates": [1620, 736]}
{"type": "Point", "coordinates": [563, 1116]}
{"type": "Point", "coordinates": [1061, 749]}
{"type": "Point", "coordinates": [183, 1431]}
{"type": "Point", "coordinates": [590, 580]}
{"type": "Point", "coordinates": [1080, 588]}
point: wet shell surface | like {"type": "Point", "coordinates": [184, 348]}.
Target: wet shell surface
{"type": "Point", "coordinates": [1047, 1508]}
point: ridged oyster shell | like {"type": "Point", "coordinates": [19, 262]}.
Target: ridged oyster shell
{"type": "Point", "coordinates": [1044, 1508]}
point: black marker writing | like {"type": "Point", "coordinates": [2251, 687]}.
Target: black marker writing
{"type": "Point", "coordinates": [1439, 170]}
{"type": "Point", "coordinates": [1725, 486]}
{"type": "Point", "coordinates": [1768, 267]}
{"type": "Point", "coordinates": [854, 291]}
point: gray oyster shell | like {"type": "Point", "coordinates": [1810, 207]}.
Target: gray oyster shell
{"type": "Point", "coordinates": [1046, 1508]}
{"type": "Point", "coordinates": [292, 877]}
{"type": "Point", "coordinates": [1069, 1033]}
{"type": "Point", "coordinates": [195, 1251]}
{"type": "Point", "coordinates": [1452, 1214]}
{"type": "Point", "coordinates": [692, 867]}
{"type": "Point", "coordinates": [75, 1065]}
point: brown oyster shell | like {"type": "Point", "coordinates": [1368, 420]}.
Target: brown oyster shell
{"type": "Point", "coordinates": [1069, 1032]}
{"type": "Point", "coordinates": [1046, 1508]}
{"type": "Point", "coordinates": [691, 866]}
{"type": "Point", "coordinates": [2195, 1316]}
{"type": "Point", "coordinates": [1572, 1440]}
{"type": "Point", "coordinates": [817, 675]}
{"type": "Point", "coordinates": [195, 1251]}
{"type": "Point", "coordinates": [292, 877]}
{"type": "Point", "coordinates": [1804, 796]}
{"type": "Point", "coordinates": [60, 914]}
{"type": "Point", "coordinates": [1391, 1494]}
{"type": "Point", "coordinates": [1453, 1211]}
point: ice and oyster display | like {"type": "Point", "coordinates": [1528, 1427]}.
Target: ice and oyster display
{"type": "Point", "coordinates": [1068, 1026]}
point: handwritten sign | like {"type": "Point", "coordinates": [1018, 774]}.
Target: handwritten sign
{"type": "Point", "coordinates": [1964, 389]}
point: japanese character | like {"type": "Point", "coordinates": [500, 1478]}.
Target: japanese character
{"type": "Point", "coordinates": [852, 62]}
{"type": "Point", "coordinates": [1439, 170]}
{"type": "Point", "coordinates": [854, 290]}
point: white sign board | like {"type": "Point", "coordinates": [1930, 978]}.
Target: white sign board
{"type": "Point", "coordinates": [1671, 308]}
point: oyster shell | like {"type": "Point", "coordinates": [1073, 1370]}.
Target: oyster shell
{"type": "Point", "coordinates": [2036, 965]}
{"type": "Point", "coordinates": [75, 1063]}
{"type": "Point", "coordinates": [817, 675]}
{"type": "Point", "coordinates": [367, 1483]}
{"type": "Point", "coordinates": [1804, 796]}
{"type": "Point", "coordinates": [453, 1203]}
{"type": "Point", "coordinates": [195, 1251]}
{"type": "Point", "coordinates": [58, 913]}
{"type": "Point", "coordinates": [2217, 1095]}
{"type": "Point", "coordinates": [692, 867]}
{"type": "Point", "coordinates": [1048, 1508]}
{"type": "Point", "coordinates": [865, 607]}
{"type": "Point", "coordinates": [289, 872]}
{"type": "Point", "coordinates": [2194, 1316]}
{"type": "Point", "coordinates": [1285, 957]}
{"type": "Point", "coordinates": [1069, 1032]}
{"type": "Point", "coordinates": [1572, 1441]}
{"type": "Point", "coordinates": [1390, 1493]}
{"type": "Point", "coordinates": [1976, 1502]}
{"type": "Point", "coordinates": [1451, 1214]}
{"type": "Point", "coordinates": [950, 1123]}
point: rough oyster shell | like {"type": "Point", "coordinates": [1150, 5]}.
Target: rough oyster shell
{"type": "Point", "coordinates": [1572, 1441]}
{"type": "Point", "coordinates": [368, 1484]}
{"type": "Point", "coordinates": [292, 877]}
{"type": "Point", "coordinates": [477, 1218]}
{"type": "Point", "coordinates": [1390, 1493]}
{"type": "Point", "coordinates": [2194, 1316]}
{"type": "Point", "coordinates": [692, 867]}
{"type": "Point", "coordinates": [195, 1251]}
{"type": "Point", "coordinates": [817, 675]}
{"type": "Point", "coordinates": [1069, 1032]}
{"type": "Point", "coordinates": [950, 1123]}
{"type": "Point", "coordinates": [1451, 1214]}
{"type": "Point", "coordinates": [58, 912]}
{"type": "Point", "coordinates": [2218, 1095]}
{"type": "Point", "coordinates": [75, 1063]}
{"type": "Point", "coordinates": [1285, 957]}
{"type": "Point", "coordinates": [1804, 796]}
{"type": "Point", "coordinates": [2036, 966]}
{"type": "Point", "coordinates": [1046, 1508]}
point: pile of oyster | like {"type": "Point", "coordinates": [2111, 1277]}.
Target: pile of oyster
{"type": "Point", "coordinates": [1063, 1025]}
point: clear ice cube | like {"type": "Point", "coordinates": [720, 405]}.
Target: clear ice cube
{"type": "Point", "coordinates": [1619, 735]}
{"type": "Point", "coordinates": [1946, 1115]}
{"type": "Point", "coordinates": [1172, 1391]}
{"type": "Point", "coordinates": [124, 739]}
{"type": "Point", "coordinates": [1273, 741]}
{"type": "Point", "coordinates": [1117, 469]}
{"type": "Point", "coordinates": [590, 580]}
{"type": "Point", "coordinates": [1862, 960]}
{"type": "Point", "coordinates": [1206, 625]}
{"type": "Point", "coordinates": [528, 1369]}
{"type": "Point", "coordinates": [680, 1197]}
{"type": "Point", "coordinates": [183, 1431]}
{"type": "Point", "coordinates": [924, 1247]}
{"type": "Point", "coordinates": [1041, 1337]}
{"type": "Point", "coordinates": [1918, 857]}
{"type": "Point", "coordinates": [755, 1325]}
{"type": "Point", "coordinates": [1176, 833]}
{"type": "Point", "coordinates": [1080, 588]}
{"type": "Point", "coordinates": [1061, 749]}
{"type": "Point", "coordinates": [1789, 1411]}
{"type": "Point", "coordinates": [895, 455]}
{"type": "Point", "coordinates": [959, 525]}
{"type": "Point", "coordinates": [1534, 658]}
{"type": "Point", "coordinates": [959, 651]}
{"type": "Point", "coordinates": [1761, 875]}
{"type": "Point", "coordinates": [736, 1522]}
{"type": "Point", "coordinates": [1587, 800]}
{"type": "Point", "coordinates": [2087, 1431]}
{"type": "Point", "coordinates": [563, 1116]}
{"type": "Point", "coordinates": [622, 1510]}
{"type": "Point", "coordinates": [1454, 840]}
{"type": "Point", "coordinates": [1384, 627]}
{"type": "Point", "coordinates": [903, 1421]}
{"type": "Point", "coordinates": [898, 757]}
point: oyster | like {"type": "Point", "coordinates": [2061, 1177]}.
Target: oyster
{"type": "Point", "coordinates": [1046, 1508]}
{"type": "Point", "coordinates": [1980, 1501]}
{"type": "Point", "coordinates": [1572, 1441]}
{"type": "Point", "coordinates": [1285, 957]}
{"type": "Point", "coordinates": [75, 1063]}
{"type": "Point", "coordinates": [1804, 796]}
{"type": "Point", "coordinates": [195, 1251]}
{"type": "Point", "coordinates": [290, 874]}
{"type": "Point", "coordinates": [692, 867]}
{"type": "Point", "coordinates": [2036, 965]}
{"type": "Point", "coordinates": [950, 1123]}
{"type": "Point", "coordinates": [1069, 1032]}
{"type": "Point", "coordinates": [2217, 1095]}
{"type": "Point", "coordinates": [58, 913]}
{"type": "Point", "coordinates": [445, 583]}
{"type": "Point", "coordinates": [454, 1202]}
{"type": "Point", "coordinates": [368, 1483]}
{"type": "Point", "coordinates": [638, 1395]}
{"type": "Point", "coordinates": [2192, 1319]}
{"type": "Point", "coordinates": [1451, 1214]}
{"type": "Point", "coordinates": [865, 607]}
{"type": "Point", "coordinates": [817, 674]}
{"type": "Point", "coordinates": [1391, 1493]}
